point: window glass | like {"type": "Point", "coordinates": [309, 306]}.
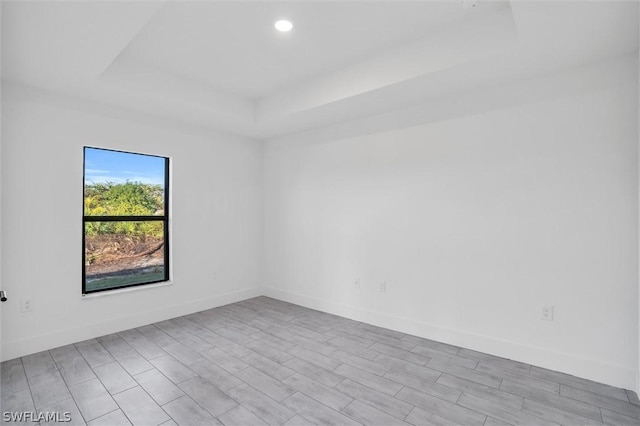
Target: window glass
{"type": "Point", "coordinates": [125, 221]}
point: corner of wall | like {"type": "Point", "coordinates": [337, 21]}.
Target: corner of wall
{"type": "Point", "coordinates": [263, 200]}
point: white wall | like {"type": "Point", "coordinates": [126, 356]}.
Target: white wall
{"type": "Point", "coordinates": [216, 219]}
{"type": "Point", "coordinates": [637, 388]}
{"type": "Point", "coordinates": [1, 224]}
{"type": "Point", "coordinates": [474, 222]}
{"type": "Point", "coordinates": [475, 210]}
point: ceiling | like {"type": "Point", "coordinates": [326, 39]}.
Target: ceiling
{"type": "Point", "coordinates": [222, 65]}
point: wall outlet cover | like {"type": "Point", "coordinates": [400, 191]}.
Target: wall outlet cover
{"type": "Point", "coordinates": [26, 305]}
{"type": "Point", "coordinates": [547, 313]}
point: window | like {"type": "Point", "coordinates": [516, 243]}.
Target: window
{"type": "Point", "coordinates": [126, 220]}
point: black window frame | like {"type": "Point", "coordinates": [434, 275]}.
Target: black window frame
{"type": "Point", "coordinates": [164, 218]}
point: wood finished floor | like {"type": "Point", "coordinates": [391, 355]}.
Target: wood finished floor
{"type": "Point", "coordinates": [263, 361]}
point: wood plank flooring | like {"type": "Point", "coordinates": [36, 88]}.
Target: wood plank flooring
{"type": "Point", "coordinates": [267, 362]}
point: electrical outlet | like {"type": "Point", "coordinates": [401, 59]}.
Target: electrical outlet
{"type": "Point", "coordinates": [383, 287]}
{"type": "Point", "coordinates": [547, 313]}
{"type": "Point", "coordinates": [356, 284]}
{"type": "Point", "coordinates": [26, 305]}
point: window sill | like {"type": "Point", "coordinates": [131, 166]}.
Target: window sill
{"type": "Point", "coordinates": [126, 290]}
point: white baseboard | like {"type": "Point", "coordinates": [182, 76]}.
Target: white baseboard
{"type": "Point", "coordinates": [21, 347]}
{"type": "Point", "coordinates": [610, 374]}
{"type": "Point", "coordinates": [598, 371]}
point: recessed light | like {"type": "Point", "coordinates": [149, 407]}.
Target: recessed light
{"type": "Point", "coordinates": [283, 25]}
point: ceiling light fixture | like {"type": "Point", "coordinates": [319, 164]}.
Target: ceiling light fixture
{"type": "Point", "coordinates": [283, 25]}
